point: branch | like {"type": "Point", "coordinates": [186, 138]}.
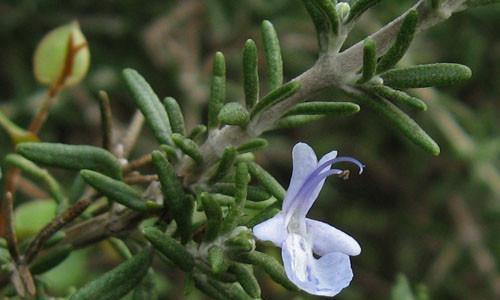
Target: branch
{"type": "Point", "coordinates": [351, 59]}
{"type": "Point", "coordinates": [329, 70]}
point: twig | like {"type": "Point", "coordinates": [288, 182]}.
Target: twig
{"type": "Point", "coordinates": [138, 163]}
{"type": "Point", "coordinates": [330, 70]}
{"type": "Point", "coordinates": [138, 178]}
{"type": "Point", "coordinates": [132, 134]}
{"type": "Point", "coordinates": [55, 225]}
{"type": "Point", "coordinates": [106, 120]}
{"type": "Point", "coordinates": [10, 234]}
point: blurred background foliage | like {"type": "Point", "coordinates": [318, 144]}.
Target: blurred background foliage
{"type": "Point", "coordinates": [435, 219]}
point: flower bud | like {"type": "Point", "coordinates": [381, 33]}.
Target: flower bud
{"type": "Point", "coordinates": [62, 57]}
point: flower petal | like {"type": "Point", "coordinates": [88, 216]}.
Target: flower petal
{"type": "Point", "coordinates": [273, 230]}
{"type": "Point", "coordinates": [326, 276]}
{"type": "Point", "coordinates": [327, 239]}
{"type": "Point", "coordinates": [334, 274]}
{"type": "Point", "coordinates": [304, 162]}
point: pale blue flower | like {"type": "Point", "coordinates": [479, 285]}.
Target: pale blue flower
{"type": "Point", "coordinates": [315, 254]}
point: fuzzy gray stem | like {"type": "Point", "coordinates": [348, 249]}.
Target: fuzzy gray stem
{"type": "Point", "coordinates": [329, 70]}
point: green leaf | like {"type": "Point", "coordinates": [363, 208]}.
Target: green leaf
{"type": "Point", "coordinates": [16, 133]}
{"type": "Point", "coordinates": [119, 281]}
{"type": "Point", "coordinates": [242, 242]}
{"type": "Point", "coordinates": [175, 198]}
{"type": "Point", "coordinates": [149, 104]}
{"type": "Point", "coordinates": [231, 291]}
{"type": "Point", "coordinates": [359, 7]}
{"type": "Point", "coordinates": [272, 54]}
{"type": "Point", "coordinates": [264, 215]}
{"type": "Point", "coordinates": [254, 193]}
{"type": "Point", "coordinates": [328, 8]}
{"type": "Point", "coordinates": [267, 181]}
{"type": "Point", "coordinates": [401, 44]}
{"type": "Point", "coordinates": [250, 73]}
{"type": "Point", "coordinates": [399, 96]}
{"type": "Point", "coordinates": [234, 114]}
{"type": "Point", "coordinates": [272, 267]}
{"type": "Point", "coordinates": [216, 259]}
{"type": "Point", "coordinates": [241, 179]}
{"type": "Point", "coordinates": [198, 133]}
{"type": "Point", "coordinates": [244, 275]}
{"type": "Point", "coordinates": [217, 90]}
{"type": "Point", "coordinates": [324, 108]}
{"type": "Point", "coordinates": [201, 282]}
{"type": "Point", "coordinates": [28, 167]}
{"type": "Point", "coordinates": [252, 145]}
{"type": "Point", "coordinates": [73, 157]}
{"type": "Point", "coordinates": [53, 54]}
{"type": "Point", "coordinates": [321, 24]}
{"type": "Point", "coordinates": [175, 116]}
{"type": "Point", "coordinates": [169, 247]}
{"type": "Point", "coordinates": [214, 216]}
{"type": "Point", "coordinates": [402, 122]}
{"type": "Point", "coordinates": [426, 75]}
{"type": "Point", "coordinates": [240, 195]}
{"type": "Point", "coordinates": [189, 147]}
{"type": "Point", "coordinates": [369, 60]}
{"type": "Point", "coordinates": [119, 191]}
{"type": "Point", "coordinates": [51, 259]}
{"type": "Point", "coordinates": [297, 121]}
{"type": "Point", "coordinates": [276, 96]}
{"type": "Point", "coordinates": [226, 162]}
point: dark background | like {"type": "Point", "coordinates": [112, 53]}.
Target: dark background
{"type": "Point", "coordinates": [434, 219]}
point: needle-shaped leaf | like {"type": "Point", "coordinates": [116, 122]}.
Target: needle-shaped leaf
{"type": "Point", "coordinates": [324, 108]}
{"type": "Point", "coordinates": [272, 267]}
{"type": "Point", "coordinates": [359, 7]}
{"type": "Point", "coordinates": [250, 73]}
{"type": "Point", "coordinates": [246, 278]}
{"type": "Point", "coordinates": [421, 76]}
{"type": "Point", "coordinates": [252, 145]}
{"type": "Point", "coordinates": [119, 191]}
{"type": "Point", "coordinates": [272, 53]}
{"type": "Point", "coordinates": [267, 181]}
{"type": "Point", "coordinates": [276, 96]}
{"type": "Point", "coordinates": [217, 90]}
{"type": "Point", "coordinates": [213, 212]}
{"type": "Point", "coordinates": [297, 121]}
{"type": "Point", "coordinates": [174, 194]}
{"type": "Point", "coordinates": [175, 115]}
{"type": "Point", "coordinates": [399, 120]}
{"type": "Point", "coordinates": [74, 157]}
{"type": "Point", "coordinates": [216, 259]}
{"type": "Point", "coordinates": [369, 60]}
{"type": "Point", "coordinates": [225, 163]}
{"type": "Point", "coordinates": [401, 44]}
{"type": "Point", "coordinates": [119, 281]}
{"type": "Point", "coordinates": [28, 167]}
{"type": "Point", "coordinates": [149, 104]}
{"type": "Point", "coordinates": [399, 96]}
{"type": "Point", "coordinates": [189, 147]}
{"type": "Point", "coordinates": [169, 247]}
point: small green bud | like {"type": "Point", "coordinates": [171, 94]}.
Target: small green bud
{"type": "Point", "coordinates": [62, 57]}
{"type": "Point", "coordinates": [234, 114]}
{"type": "Point", "coordinates": [343, 10]}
